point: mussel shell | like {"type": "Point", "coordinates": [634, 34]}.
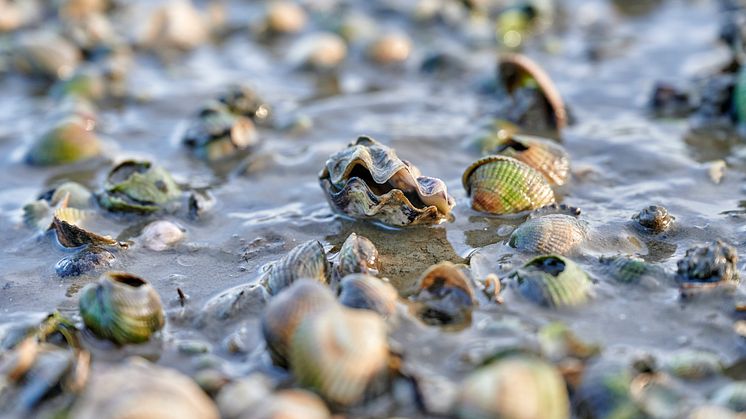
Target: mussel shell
{"type": "Point", "coordinates": [342, 354]}
{"type": "Point", "coordinates": [518, 386]}
{"type": "Point", "coordinates": [369, 293]}
{"type": "Point", "coordinates": [139, 389]}
{"type": "Point", "coordinates": [357, 255]}
{"type": "Point", "coordinates": [554, 233]}
{"type": "Point", "coordinates": [122, 308]}
{"type": "Point", "coordinates": [654, 219]}
{"type": "Point", "coordinates": [504, 185]}
{"type": "Point", "coordinates": [713, 263]}
{"type": "Point", "coordinates": [553, 281]}
{"type": "Point", "coordinates": [68, 142]}
{"type": "Point", "coordinates": [217, 134]}
{"type": "Point", "coordinates": [89, 259]}
{"type": "Point", "coordinates": [307, 260]}
{"type": "Point", "coordinates": [138, 186]}
{"type": "Point", "coordinates": [286, 310]}
{"type": "Point", "coordinates": [547, 157]}
{"type": "Point", "coordinates": [66, 223]}
{"type": "Point", "coordinates": [445, 294]}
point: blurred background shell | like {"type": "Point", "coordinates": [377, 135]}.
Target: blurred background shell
{"type": "Point", "coordinates": [290, 404]}
{"type": "Point", "coordinates": [369, 293]}
{"type": "Point", "coordinates": [445, 295]}
{"type": "Point", "coordinates": [138, 186]}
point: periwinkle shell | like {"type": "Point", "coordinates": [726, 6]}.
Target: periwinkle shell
{"type": "Point", "coordinates": [138, 186]}
{"type": "Point", "coordinates": [122, 308]}
{"type": "Point", "coordinates": [553, 281]}
{"type": "Point", "coordinates": [553, 233]}
{"type": "Point", "coordinates": [307, 260]}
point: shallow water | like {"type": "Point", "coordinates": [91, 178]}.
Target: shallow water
{"type": "Point", "coordinates": [623, 160]}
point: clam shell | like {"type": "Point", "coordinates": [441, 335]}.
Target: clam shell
{"type": "Point", "coordinates": [553, 281]}
{"type": "Point", "coordinates": [67, 142]}
{"type": "Point", "coordinates": [216, 133]}
{"type": "Point", "coordinates": [89, 259]}
{"type": "Point", "coordinates": [138, 186]}
{"type": "Point", "coordinates": [140, 389]}
{"type": "Point", "coordinates": [547, 157]}
{"type": "Point", "coordinates": [713, 263]}
{"type": "Point", "coordinates": [286, 310]}
{"type": "Point", "coordinates": [357, 255]}
{"type": "Point", "coordinates": [342, 354]}
{"type": "Point", "coordinates": [307, 260]}
{"type": "Point", "coordinates": [504, 185]}
{"type": "Point", "coordinates": [122, 308]}
{"type": "Point", "coordinates": [66, 223]}
{"type": "Point", "coordinates": [446, 295]}
{"type": "Point", "coordinates": [369, 293]}
{"type": "Point", "coordinates": [554, 233]}
{"type": "Point", "coordinates": [161, 235]}
{"type": "Point", "coordinates": [515, 387]}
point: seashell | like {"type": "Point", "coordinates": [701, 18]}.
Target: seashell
{"type": "Point", "coordinates": [554, 233]}
{"type": "Point", "coordinates": [243, 100]}
{"type": "Point", "coordinates": [82, 8]}
{"type": "Point", "coordinates": [628, 270]}
{"type": "Point", "coordinates": [555, 208]}
{"type": "Point", "coordinates": [91, 33]}
{"type": "Point", "coordinates": [518, 386]}
{"type": "Point", "coordinates": [693, 364]}
{"type": "Point", "coordinates": [368, 293]}
{"type": "Point", "coordinates": [67, 223]}
{"type": "Point", "coordinates": [161, 235]}
{"type": "Point", "coordinates": [233, 303]}
{"type": "Point", "coordinates": [39, 214]}
{"type": "Point", "coordinates": [732, 396]}
{"type": "Point", "coordinates": [553, 281]}
{"type": "Point", "coordinates": [284, 17]}
{"type": "Point", "coordinates": [654, 219]}
{"type": "Point", "coordinates": [217, 134]}
{"type": "Point", "coordinates": [537, 104]}
{"type": "Point", "coordinates": [357, 255]}
{"type": "Point", "coordinates": [321, 51]}
{"type": "Point", "coordinates": [16, 14]}
{"type": "Point", "coordinates": [368, 181]}
{"type": "Point", "coordinates": [445, 294]}
{"type": "Point", "coordinates": [307, 260]}
{"type": "Point", "coordinates": [122, 308]}
{"type": "Point", "coordinates": [286, 310]}
{"type": "Point", "coordinates": [341, 354]}
{"type": "Point", "coordinates": [69, 141]}
{"type": "Point", "coordinates": [140, 389]}
{"type": "Point", "coordinates": [504, 185]}
{"type": "Point", "coordinates": [604, 392]}
{"type": "Point", "coordinates": [702, 265]}
{"type": "Point", "coordinates": [138, 186]}
{"type": "Point", "coordinates": [390, 49]}
{"type": "Point", "coordinates": [89, 259]}
{"type": "Point", "coordinates": [175, 24]}
{"type": "Point", "coordinates": [46, 54]}
{"type": "Point", "coordinates": [242, 395]}
{"type": "Point", "coordinates": [659, 397]}
{"type": "Point", "coordinates": [290, 404]}
{"type": "Point", "coordinates": [547, 157]}
{"type": "Point", "coordinates": [558, 342]}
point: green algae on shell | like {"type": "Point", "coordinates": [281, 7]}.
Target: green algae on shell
{"type": "Point", "coordinates": [553, 233]}
{"type": "Point", "coordinates": [138, 186]}
{"type": "Point", "coordinates": [69, 141]}
{"type": "Point", "coordinates": [553, 281]}
{"type": "Point", "coordinates": [307, 260]}
{"type": "Point", "coordinates": [504, 185]}
{"type": "Point", "coordinates": [122, 308]}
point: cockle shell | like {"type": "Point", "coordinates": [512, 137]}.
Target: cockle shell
{"type": "Point", "coordinates": [554, 233]}
{"type": "Point", "coordinates": [553, 281]}
{"type": "Point", "coordinates": [357, 255]}
{"type": "Point", "coordinates": [140, 389]}
{"type": "Point", "coordinates": [215, 133]}
{"type": "Point", "coordinates": [307, 260]}
{"type": "Point", "coordinates": [547, 157]}
{"type": "Point", "coordinates": [368, 292]}
{"type": "Point", "coordinates": [368, 181]}
{"type": "Point", "coordinates": [122, 308]}
{"type": "Point", "coordinates": [69, 141]}
{"type": "Point", "coordinates": [518, 387]}
{"type": "Point", "coordinates": [504, 185]}
{"type": "Point", "coordinates": [342, 354]}
{"type": "Point", "coordinates": [287, 309]}
{"type": "Point", "coordinates": [446, 295]}
{"type": "Point", "coordinates": [138, 186]}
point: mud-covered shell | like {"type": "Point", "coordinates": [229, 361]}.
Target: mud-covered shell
{"type": "Point", "coordinates": [654, 219]}
{"type": "Point", "coordinates": [84, 261]}
{"type": "Point", "coordinates": [547, 157]}
{"type": "Point", "coordinates": [445, 295]}
{"type": "Point", "coordinates": [69, 141]}
{"type": "Point", "coordinates": [357, 255]}
{"type": "Point", "coordinates": [341, 354]}
{"type": "Point", "coordinates": [215, 133]}
{"type": "Point", "coordinates": [140, 389]}
{"type": "Point", "coordinates": [307, 260]}
{"type": "Point", "coordinates": [554, 233]}
{"type": "Point", "coordinates": [629, 269]}
{"type": "Point", "coordinates": [369, 293]}
{"type": "Point", "coordinates": [553, 281]}
{"type": "Point", "coordinates": [67, 225]}
{"type": "Point", "coordinates": [504, 185]}
{"type": "Point", "coordinates": [290, 404]}
{"type": "Point", "coordinates": [693, 364]}
{"type": "Point", "coordinates": [515, 387]}
{"type": "Point", "coordinates": [286, 310]}
{"type": "Point", "coordinates": [712, 263]}
{"type": "Point", "coordinates": [138, 186]}
{"type": "Point", "coordinates": [122, 308]}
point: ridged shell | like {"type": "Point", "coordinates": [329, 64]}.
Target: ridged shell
{"type": "Point", "coordinates": [140, 389]}
{"type": "Point", "coordinates": [368, 292]}
{"type": "Point", "coordinates": [628, 270]}
{"type": "Point", "coordinates": [342, 354]}
{"type": "Point", "coordinates": [89, 259]}
{"type": "Point", "coordinates": [307, 260]}
{"type": "Point", "coordinates": [547, 157]}
{"type": "Point", "coordinates": [67, 142]}
{"type": "Point", "coordinates": [554, 233]}
{"type": "Point", "coordinates": [504, 185]}
{"type": "Point", "coordinates": [122, 308]}
{"type": "Point", "coordinates": [654, 219]}
{"type": "Point", "coordinates": [515, 387]}
{"type": "Point", "coordinates": [290, 404]}
{"type": "Point", "coordinates": [693, 364]}
{"type": "Point", "coordinates": [713, 263]}
{"type": "Point", "coordinates": [138, 186]}
{"type": "Point", "coordinates": [216, 134]}
{"type": "Point", "coordinates": [553, 281]}
{"type": "Point", "coordinates": [367, 180]}
{"type": "Point", "coordinates": [66, 223]}
{"type": "Point", "coordinates": [357, 255]}
{"type": "Point", "coordinates": [732, 396]}
{"type": "Point", "coordinates": [286, 310]}
{"type": "Point", "coordinates": [445, 295]}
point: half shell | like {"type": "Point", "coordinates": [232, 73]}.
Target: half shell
{"type": "Point", "coordinates": [307, 260]}
{"type": "Point", "coordinates": [553, 281]}
{"type": "Point", "coordinates": [554, 233]}
{"type": "Point", "coordinates": [67, 224]}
